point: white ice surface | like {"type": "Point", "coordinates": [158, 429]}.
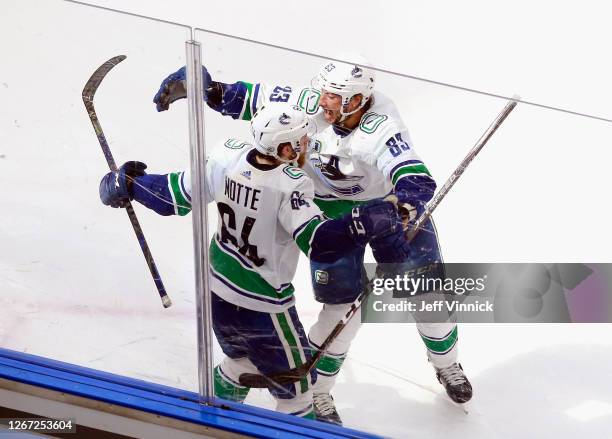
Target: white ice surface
{"type": "Point", "coordinates": [74, 286]}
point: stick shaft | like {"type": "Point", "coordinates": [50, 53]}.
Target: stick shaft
{"type": "Point", "coordinates": [88, 96]}
{"type": "Point", "coordinates": [435, 201]}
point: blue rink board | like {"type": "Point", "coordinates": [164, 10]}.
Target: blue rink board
{"type": "Point", "coordinates": [162, 400]}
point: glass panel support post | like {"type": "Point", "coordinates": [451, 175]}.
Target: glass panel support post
{"type": "Point", "coordinates": [199, 202]}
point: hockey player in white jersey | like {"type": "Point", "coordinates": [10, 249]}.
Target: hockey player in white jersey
{"type": "Point", "coordinates": [266, 216]}
{"type": "Point", "coordinates": [362, 152]}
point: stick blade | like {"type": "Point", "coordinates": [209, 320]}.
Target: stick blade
{"type": "Point", "coordinates": [256, 381]}
{"type": "Point", "coordinates": [253, 380]}
{"type": "Point", "coordinates": [94, 81]}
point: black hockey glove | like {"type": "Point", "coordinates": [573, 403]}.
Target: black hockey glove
{"type": "Point", "coordinates": [174, 87]}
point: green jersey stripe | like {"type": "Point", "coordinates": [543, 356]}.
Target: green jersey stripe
{"type": "Point", "coordinates": [181, 206]}
{"type": "Point", "coordinates": [334, 209]}
{"type": "Point", "coordinates": [441, 346]}
{"type": "Point", "coordinates": [304, 238]}
{"type": "Point", "coordinates": [296, 350]}
{"type": "Point", "coordinates": [409, 169]}
{"type": "Point", "coordinates": [245, 114]}
{"type": "Point", "coordinates": [174, 202]}
{"type": "Point", "coordinates": [234, 272]}
{"type": "Point", "coordinates": [289, 355]}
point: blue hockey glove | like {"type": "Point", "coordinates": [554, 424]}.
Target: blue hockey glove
{"type": "Point", "coordinates": [116, 187]}
{"type": "Point", "coordinates": [410, 207]}
{"type": "Point", "coordinates": [174, 87]}
{"type": "Point", "coordinates": [374, 219]}
{"type": "Point", "coordinates": [392, 248]}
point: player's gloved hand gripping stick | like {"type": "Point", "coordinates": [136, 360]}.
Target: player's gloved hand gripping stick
{"type": "Point", "coordinates": [295, 374]}
{"type": "Point", "coordinates": [88, 95]}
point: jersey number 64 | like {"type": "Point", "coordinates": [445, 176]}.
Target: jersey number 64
{"type": "Point", "coordinates": [247, 249]}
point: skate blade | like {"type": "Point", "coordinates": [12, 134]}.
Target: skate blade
{"type": "Point", "coordinates": [464, 407]}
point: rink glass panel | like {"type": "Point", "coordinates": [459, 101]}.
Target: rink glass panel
{"type": "Point", "coordinates": [74, 284]}
{"type": "Point", "coordinates": [536, 193]}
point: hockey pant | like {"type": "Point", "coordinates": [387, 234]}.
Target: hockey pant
{"type": "Point", "coordinates": [338, 284]}
{"type": "Point", "coordinates": [265, 343]}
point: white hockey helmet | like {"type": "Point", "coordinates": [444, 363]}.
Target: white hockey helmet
{"type": "Point", "coordinates": [275, 124]}
{"type": "Point", "coordinates": [346, 80]}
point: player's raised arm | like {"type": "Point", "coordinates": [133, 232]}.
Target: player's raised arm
{"type": "Point", "coordinates": [238, 100]}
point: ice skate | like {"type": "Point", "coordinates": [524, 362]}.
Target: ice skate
{"type": "Point", "coordinates": [455, 382]}
{"type": "Point", "coordinates": [325, 409]}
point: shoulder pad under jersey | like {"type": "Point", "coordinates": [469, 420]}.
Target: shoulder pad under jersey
{"type": "Point", "coordinates": [383, 112]}
{"type": "Point", "coordinates": [231, 151]}
{"type": "Point", "coordinates": [371, 121]}
{"type": "Point", "coordinates": [236, 144]}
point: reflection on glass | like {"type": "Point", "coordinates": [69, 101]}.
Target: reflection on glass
{"type": "Point", "coordinates": [75, 285]}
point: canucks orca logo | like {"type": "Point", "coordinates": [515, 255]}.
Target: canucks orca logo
{"type": "Point", "coordinates": [331, 170]}
{"type": "Point", "coordinates": [284, 119]}
{"type": "Point", "coordinates": [357, 72]}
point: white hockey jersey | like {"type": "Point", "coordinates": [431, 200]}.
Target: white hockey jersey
{"type": "Point", "coordinates": [347, 170]}
{"type": "Point", "coordinates": [266, 216]}
{"type": "Point", "coordinates": [364, 164]}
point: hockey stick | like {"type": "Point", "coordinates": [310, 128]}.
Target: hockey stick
{"type": "Point", "coordinates": [435, 201]}
{"type": "Point", "coordinates": [88, 95]}
{"type": "Point", "coordinates": [290, 376]}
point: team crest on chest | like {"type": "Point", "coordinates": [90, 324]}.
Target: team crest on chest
{"type": "Point", "coordinates": [330, 172]}
{"type": "Point", "coordinates": [331, 169]}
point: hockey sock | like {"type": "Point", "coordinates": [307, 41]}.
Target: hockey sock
{"type": "Point", "coordinates": [226, 388]}
{"type": "Point", "coordinates": [442, 351]}
{"type": "Point", "coordinates": [329, 365]}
